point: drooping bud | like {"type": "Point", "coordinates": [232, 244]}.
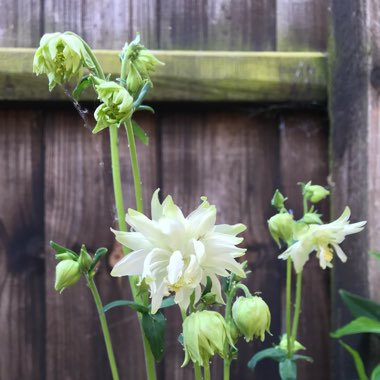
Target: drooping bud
{"type": "Point", "coordinates": [84, 260]}
{"type": "Point", "coordinates": [252, 317]}
{"type": "Point", "coordinates": [117, 106]}
{"type": "Point", "coordinates": [67, 273]}
{"type": "Point", "coordinates": [315, 193]}
{"type": "Point", "coordinates": [205, 334]}
{"type": "Point", "coordinates": [62, 57]}
{"type": "Point", "coordinates": [281, 227]}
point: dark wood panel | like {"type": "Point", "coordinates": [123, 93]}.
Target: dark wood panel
{"type": "Point", "coordinates": [22, 296]}
{"type": "Point", "coordinates": [231, 158]}
{"type": "Point", "coordinates": [79, 209]}
{"type": "Point", "coordinates": [304, 157]}
{"type": "Point", "coordinates": [217, 25]}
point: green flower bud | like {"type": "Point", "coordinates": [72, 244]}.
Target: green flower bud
{"type": "Point", "coordinates": [84, 260]}
{"type": "Point", "coordinates": [65, 256]}
{"type": "Point", "coordinates": [62, 57]}
{"type": "Point", "coordinates": [281, 227]}
{"type": "Point", "coordinates": [67, 273]}
{"type": "Point", "coordinates": [312, 218]}
{"type": "Point", "coordinates": [252, 317]}
{"type": "Point", "coordinates": [284, 344]}
{"type": "Point", "coordinates": [205, 334]}
{"type": "Point", "coordinates": [315, 193]}
{"type": "Point", "coordinates": [278, 200]}
{"type": "Point", "coordinates": [117, 106]}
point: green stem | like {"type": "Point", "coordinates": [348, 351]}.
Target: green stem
{"type": "Point", "coordinates": [207, 371]}
{"type": "Point", "coordinates": [305, 206]}
{"type": "Point", "coordinates": [297, 309]}
{"type": "Point", "coordinates": [135, 166]}
{"type": "Point", "coordinates": [288, 304]}
{"type": "Point", "coordinates": [226, 369]}
{"type": "Point", "coordinates": [244, 289]}
{"type": "Point", "coordinates": [103, 323]}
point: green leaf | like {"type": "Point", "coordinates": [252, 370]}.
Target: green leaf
{"type": "Point", "coordinates": [140, 133]}
{"type": "Point", "coordinates": [132, 304]}
{"type": "Point", "coordinates": [82, 85]}
{"type": "Point", "coordinates": [167, 302]}
{"type": "Point", "coordinates": [288, 370]}
{"type": "Point", "coordinates": [144, 90]}
{"type": "Point", "coordinates": [145, 108]}
{"type": "Point", "coordinates": [375, 375]}
{"type": "Point", "coordinates": [302, 357]}
{"type": "Point", "coordinates": [360, 306]}
{"type": "Point", "coordinates": [100, 252]}
{"type": "Point", "coordinates": [357, 360]}
{"type": "Point", "coordinates": [375, 254]}
{"type": "Point", "coordinates": [269, 353]}
{"type": "Point", "coordinates": [358, 326]}
{"type": "Point", "coordinates": [154, 329]}
{"type": "Point", "coordinates": [60, 249]}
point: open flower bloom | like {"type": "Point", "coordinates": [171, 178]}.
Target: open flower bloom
{"type": "Point", "coordinates": [324, 239]}
{"type": "Point", "coordinates": [177, 254]}
{"type": "Point", "coordinates": [62, 57]}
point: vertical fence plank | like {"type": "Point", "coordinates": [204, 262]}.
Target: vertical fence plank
{"type": "Point", "coordinates": [222, 155]}
{"type": "Point", "coordinates": [301, 25]}
{"type": "Point", "coordinates": [79, 209]}
{"type": "Point", "coordinates": [304, 157]}
{"type": "Point", "coordinates": [22, 318]}
{"type": "Point", "coordinates": [217, 25]}
{"type": "Point", "coordinates": [354, 113]}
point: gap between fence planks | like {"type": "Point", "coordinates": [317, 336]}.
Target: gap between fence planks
{"type": "Point", "coordinates": [191, 76]}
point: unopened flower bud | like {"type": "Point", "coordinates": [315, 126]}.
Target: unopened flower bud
{"type": "Point", "coordinates": [278, 200]}
{"type": "Point", "coordinates": [62, 57]}
{"type": "Point", "coordinates": [67, 273]}
{"type": "Point", "coordinates": [84, 260]}
{"type": "Point", "coordinates": [315, 193]}
{"type": "Point", "coordinates": [252, 317]}
{"type": "Point", "coordinates": [65, 256]}
{"type": "Point", "coordinates": [281, 227]}
{"type": "Point", "coordinates": [117, 106]}
{"type": "Point", "coordinates": [312, 218]}
{"type": "Point", "coordinates": [205, 334]}
{"type": "Point", "coordinates": [284, 344]}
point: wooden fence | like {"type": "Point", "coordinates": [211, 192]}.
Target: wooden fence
{"type": "Point", "coordinates": [233, 127]}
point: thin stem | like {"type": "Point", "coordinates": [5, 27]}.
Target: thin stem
{"type": "Point", "coordinates": [305, 205]}
{"type": "Point", "coordinates": [135, 166]}
{"type": "Point", "coordinates": [197, 371]}
{"type": "Point", "coordinates": [103, 323]}
{"type": "Point", "coordinates": [244, 289]}
{"type": "Point", "coordinates": [288, 303]}
{"type": "Point", "coordinates": [207, 371]}
{"type": "Point", "coordinates": [226, 369]}
{"type": "Point", "coordinates": [297, 309]}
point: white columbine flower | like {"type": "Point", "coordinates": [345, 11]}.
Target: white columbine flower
{"type": "Point", "coordinates": [324, 239]}
{"type": "Point", "coordinates": [177, 254]}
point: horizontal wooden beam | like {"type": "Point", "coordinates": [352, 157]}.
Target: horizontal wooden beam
{"type": "Point", "coordinates": [191, 76]}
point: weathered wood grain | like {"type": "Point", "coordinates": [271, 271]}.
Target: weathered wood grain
{"type": "Point", "coordinates": [304, 157]}
{"type": "Point", "coordinates": [79, 209]}
{"type": "Point", "coordinates": [301, 25]}
{"type": "Point", "coordinates": [217, 24]}
{"type": "Point", "coordinates": [354, 113]}
{"type": "Point", "coordinates": [22, 296]}
{"type": "Point", "coordinates": [191, 76]}
{"type": "Point", "coordinates": [231, 158]}
{"type": "Point", "coordinates": [104, 24]}
{"type": "Point", "coordinates": [20, 23]}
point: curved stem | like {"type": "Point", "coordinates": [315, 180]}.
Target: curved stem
{"type": "Point", "coordinates": [244, 289]}
{"type": "Point", "coordinates": [135, 166]}
{"type": "Point", "coordinates": [297, 309]}
{"type": "Point", "coordinates": [288, 304]}
{"type": "Point", "coordinates": [103, 323]}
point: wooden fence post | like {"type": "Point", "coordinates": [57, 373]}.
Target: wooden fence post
{"type": "Point", "coordinates": [355, 158]}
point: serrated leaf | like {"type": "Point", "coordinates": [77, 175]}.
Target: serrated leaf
{"type": "Point", "coordinates": [288, 370]}
{"type": "Point", "coordinates": [375, 375]}
{"type": "Point", "coordinates": [360, 306]}
{"type": "Point", "coordinates": [269, 353]}
{"type": "Point", "coordinates": [60, 249]}
{"type": "Point", "coordinates": [154, 329]}
{"type": "Point", "coordinates": [357, 360]}
{"type": "Point", "coordinates": [82, 85]}
{"type": "Point", "coordinates": [140, 133]}
{"type": "Point", "coordinates": [100, 252]}
{"type": "Point", "coordinates": [132, 304]}
{"type": "Point", "coordinates": [358, 326]}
